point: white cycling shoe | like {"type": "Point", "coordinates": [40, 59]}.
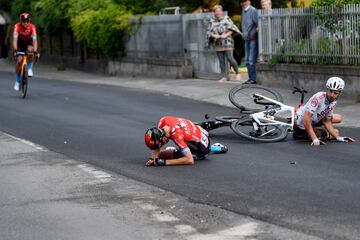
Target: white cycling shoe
{"type": "Point", "coordinates": [30, 73]}
{"type": "Point", "coordinates": [17, 86]}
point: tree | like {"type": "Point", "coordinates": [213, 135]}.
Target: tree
{"type": "Point", "coordinates": [104, 29]}
{"type": "Point", "coordinates": [49, 15]}
{"type": "Point", "coordinates": [5, 5]}
{"type": "Point", "coordinates": [336, 3]}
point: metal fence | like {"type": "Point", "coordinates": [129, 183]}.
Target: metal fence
{"type": "Point", "coordinates": [325, 35]}
{"type": "Point", "coordinates": [174, 36]}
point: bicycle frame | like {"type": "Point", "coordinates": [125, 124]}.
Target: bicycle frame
{"type": "Point", "coordinates": [265, 118]}
{"type": "Point", "coordinates": [24, 62]}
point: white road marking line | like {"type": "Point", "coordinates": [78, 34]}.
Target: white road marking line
{"type": "Point", "coordinates": [101, 175]}
{"type": "Point", "coordinates": [148, 206]}
{"type": "Point", "coordinates": [31, 144]}
{"type": "Point", "coordinates": [165, 217]}
{"type": "Point", "coordinates": [185, 229]}
{"type": "Point", "coordinates": [244, 231]}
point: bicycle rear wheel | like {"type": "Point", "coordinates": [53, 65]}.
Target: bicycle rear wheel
{"type": "Point", "coordinates": [24, 83]}
{"type": "Point", "coordinates": [272, 133]}
{"type": "Point", "coordinates": [242, 97]}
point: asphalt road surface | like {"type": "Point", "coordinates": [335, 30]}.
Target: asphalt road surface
{"type": "Point", "coordinates": [312, 190]}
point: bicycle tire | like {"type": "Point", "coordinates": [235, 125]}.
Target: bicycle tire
{"type": "Point", "coordinates": [245, 128]}
{"type": "Point", "coordinates": [242, 97]}
{"type": "Point", "coordinates": [24, 83]}
{"type": "Point", "coordinates": [228, 119]}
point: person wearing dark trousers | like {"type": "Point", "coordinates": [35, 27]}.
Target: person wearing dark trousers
{"type": "Point", "coordinates": [220, 37]}
{"type": "Point", "coordinates": [250, 35]}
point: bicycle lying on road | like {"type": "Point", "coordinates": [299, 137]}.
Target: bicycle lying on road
{"type": "Point", "coordinates": [263, 116]}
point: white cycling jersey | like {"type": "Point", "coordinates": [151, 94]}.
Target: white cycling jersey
{"type": "Point", "coordinates": [319, 106]}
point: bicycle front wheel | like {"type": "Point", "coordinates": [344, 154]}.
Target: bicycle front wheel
{"type": "Point", "coordinates": [242, 97]}
{"type": "Point", "coordinates": [271, 133]}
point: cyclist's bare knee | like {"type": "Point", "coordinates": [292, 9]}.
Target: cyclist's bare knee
{"type": "Point", "coordinates": [337, 118]}
{"type": "Point", "coordinates": [30, 49]}
{"type": "Point", "coordinates": [19, 59]}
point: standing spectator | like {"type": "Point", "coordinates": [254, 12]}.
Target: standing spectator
{"type": "Point", "coordinates": [250, 29]}
{"type": "Point", "coordinates": [220, 36]}
{"type": "Point", "coordinates": [266, 4]}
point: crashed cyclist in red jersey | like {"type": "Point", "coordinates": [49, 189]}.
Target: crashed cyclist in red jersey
{"type": "Point", "coordinates": [191, 140]}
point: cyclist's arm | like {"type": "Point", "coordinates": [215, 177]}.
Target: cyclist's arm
{"type": "Point", "coordinates": [330, 128]}
{"type": "Point", "coordinates": [187, 159]}
{"type": "Point", "coordinates": [34, 38]}
{"type": "Point", "coordinates": [15, 38]}
{"type": "Point", "coordinates": [35, 44]}
{"type": "Point", "coordinates": [308, 125]}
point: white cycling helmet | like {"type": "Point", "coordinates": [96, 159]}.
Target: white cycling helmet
{"type": "Point", "coordinates": [335, 83]}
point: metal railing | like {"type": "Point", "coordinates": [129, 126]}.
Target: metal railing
{"type": "Point", "coordinates": [324, 35]}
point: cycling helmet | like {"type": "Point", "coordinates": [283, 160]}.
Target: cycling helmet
{"type": "Point", "coordinates": [335, 83]}
{"type": "Point", "coordinates": [24, 17]}
{"type": "Point", "coordinates": [154, 138]}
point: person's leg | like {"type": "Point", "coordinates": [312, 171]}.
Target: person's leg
{"type": "Point", "coordinates": [30, 49]}
{"type": "Point", "coordinates": [222, 63]}
{"type": "Point", "coordinates": [18, 68]}
{"type": "Point", "coordinates": [230, 57]}
{"type": "Point", "coordinates": [247, 53]}
{"type": "Point", "coordinates": [17, 73]}
{"type": "Point", "coordinates": [323, 134]}
{"type": "Point", "coordinates": [233, 63]}
{"type": "Point", "coordinates": [253, 53]}
{"type": "Point", "coordinates": [336, 119]}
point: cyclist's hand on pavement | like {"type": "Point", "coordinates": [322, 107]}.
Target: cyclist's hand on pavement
{"type": "Point", "coordinates": [345, 139]}
{"type": "Point", "coordinates": [156, 162]}
{"type": "Point", "coordinates": [150, 162]}
{"type": "Point", "coordinates": [317, 142]}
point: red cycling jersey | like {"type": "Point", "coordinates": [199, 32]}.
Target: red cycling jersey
{"type": "Point", "coordinates": [25, 34]}
{"type": "Point", "coordinates": [183, 131]}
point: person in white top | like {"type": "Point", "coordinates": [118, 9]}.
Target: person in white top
{"type": "Point", "coordinates": [314, 120]}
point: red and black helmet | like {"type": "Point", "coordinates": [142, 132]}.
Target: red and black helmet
{"type": "Point", "coordinates": [24, 17]}
{"type": "Point", "coordinates": [155, 138]}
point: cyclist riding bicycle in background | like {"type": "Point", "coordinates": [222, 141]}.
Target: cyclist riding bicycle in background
{"type": "Point", "coordinates": [318, 112]}
{"type": "Point", "coordinates": [192, 141]}
{"type": "Point", "coordinates": [24, 40]}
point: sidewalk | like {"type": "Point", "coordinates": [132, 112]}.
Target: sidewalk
{"type": "Point", "coordinates": [198, 89]}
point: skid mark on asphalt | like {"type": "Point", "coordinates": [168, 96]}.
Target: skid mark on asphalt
{"type": "Point", "coordinates": [102, 176]}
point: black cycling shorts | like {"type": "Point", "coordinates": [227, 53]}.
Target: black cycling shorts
{"type": "Point", "coordinates": [23, 46]}
{"type": "Point", "coordinates": [196, 148]}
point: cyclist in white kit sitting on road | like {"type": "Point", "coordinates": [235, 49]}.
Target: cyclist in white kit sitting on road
{"type": "Point", "coordinates": [314, 120]}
